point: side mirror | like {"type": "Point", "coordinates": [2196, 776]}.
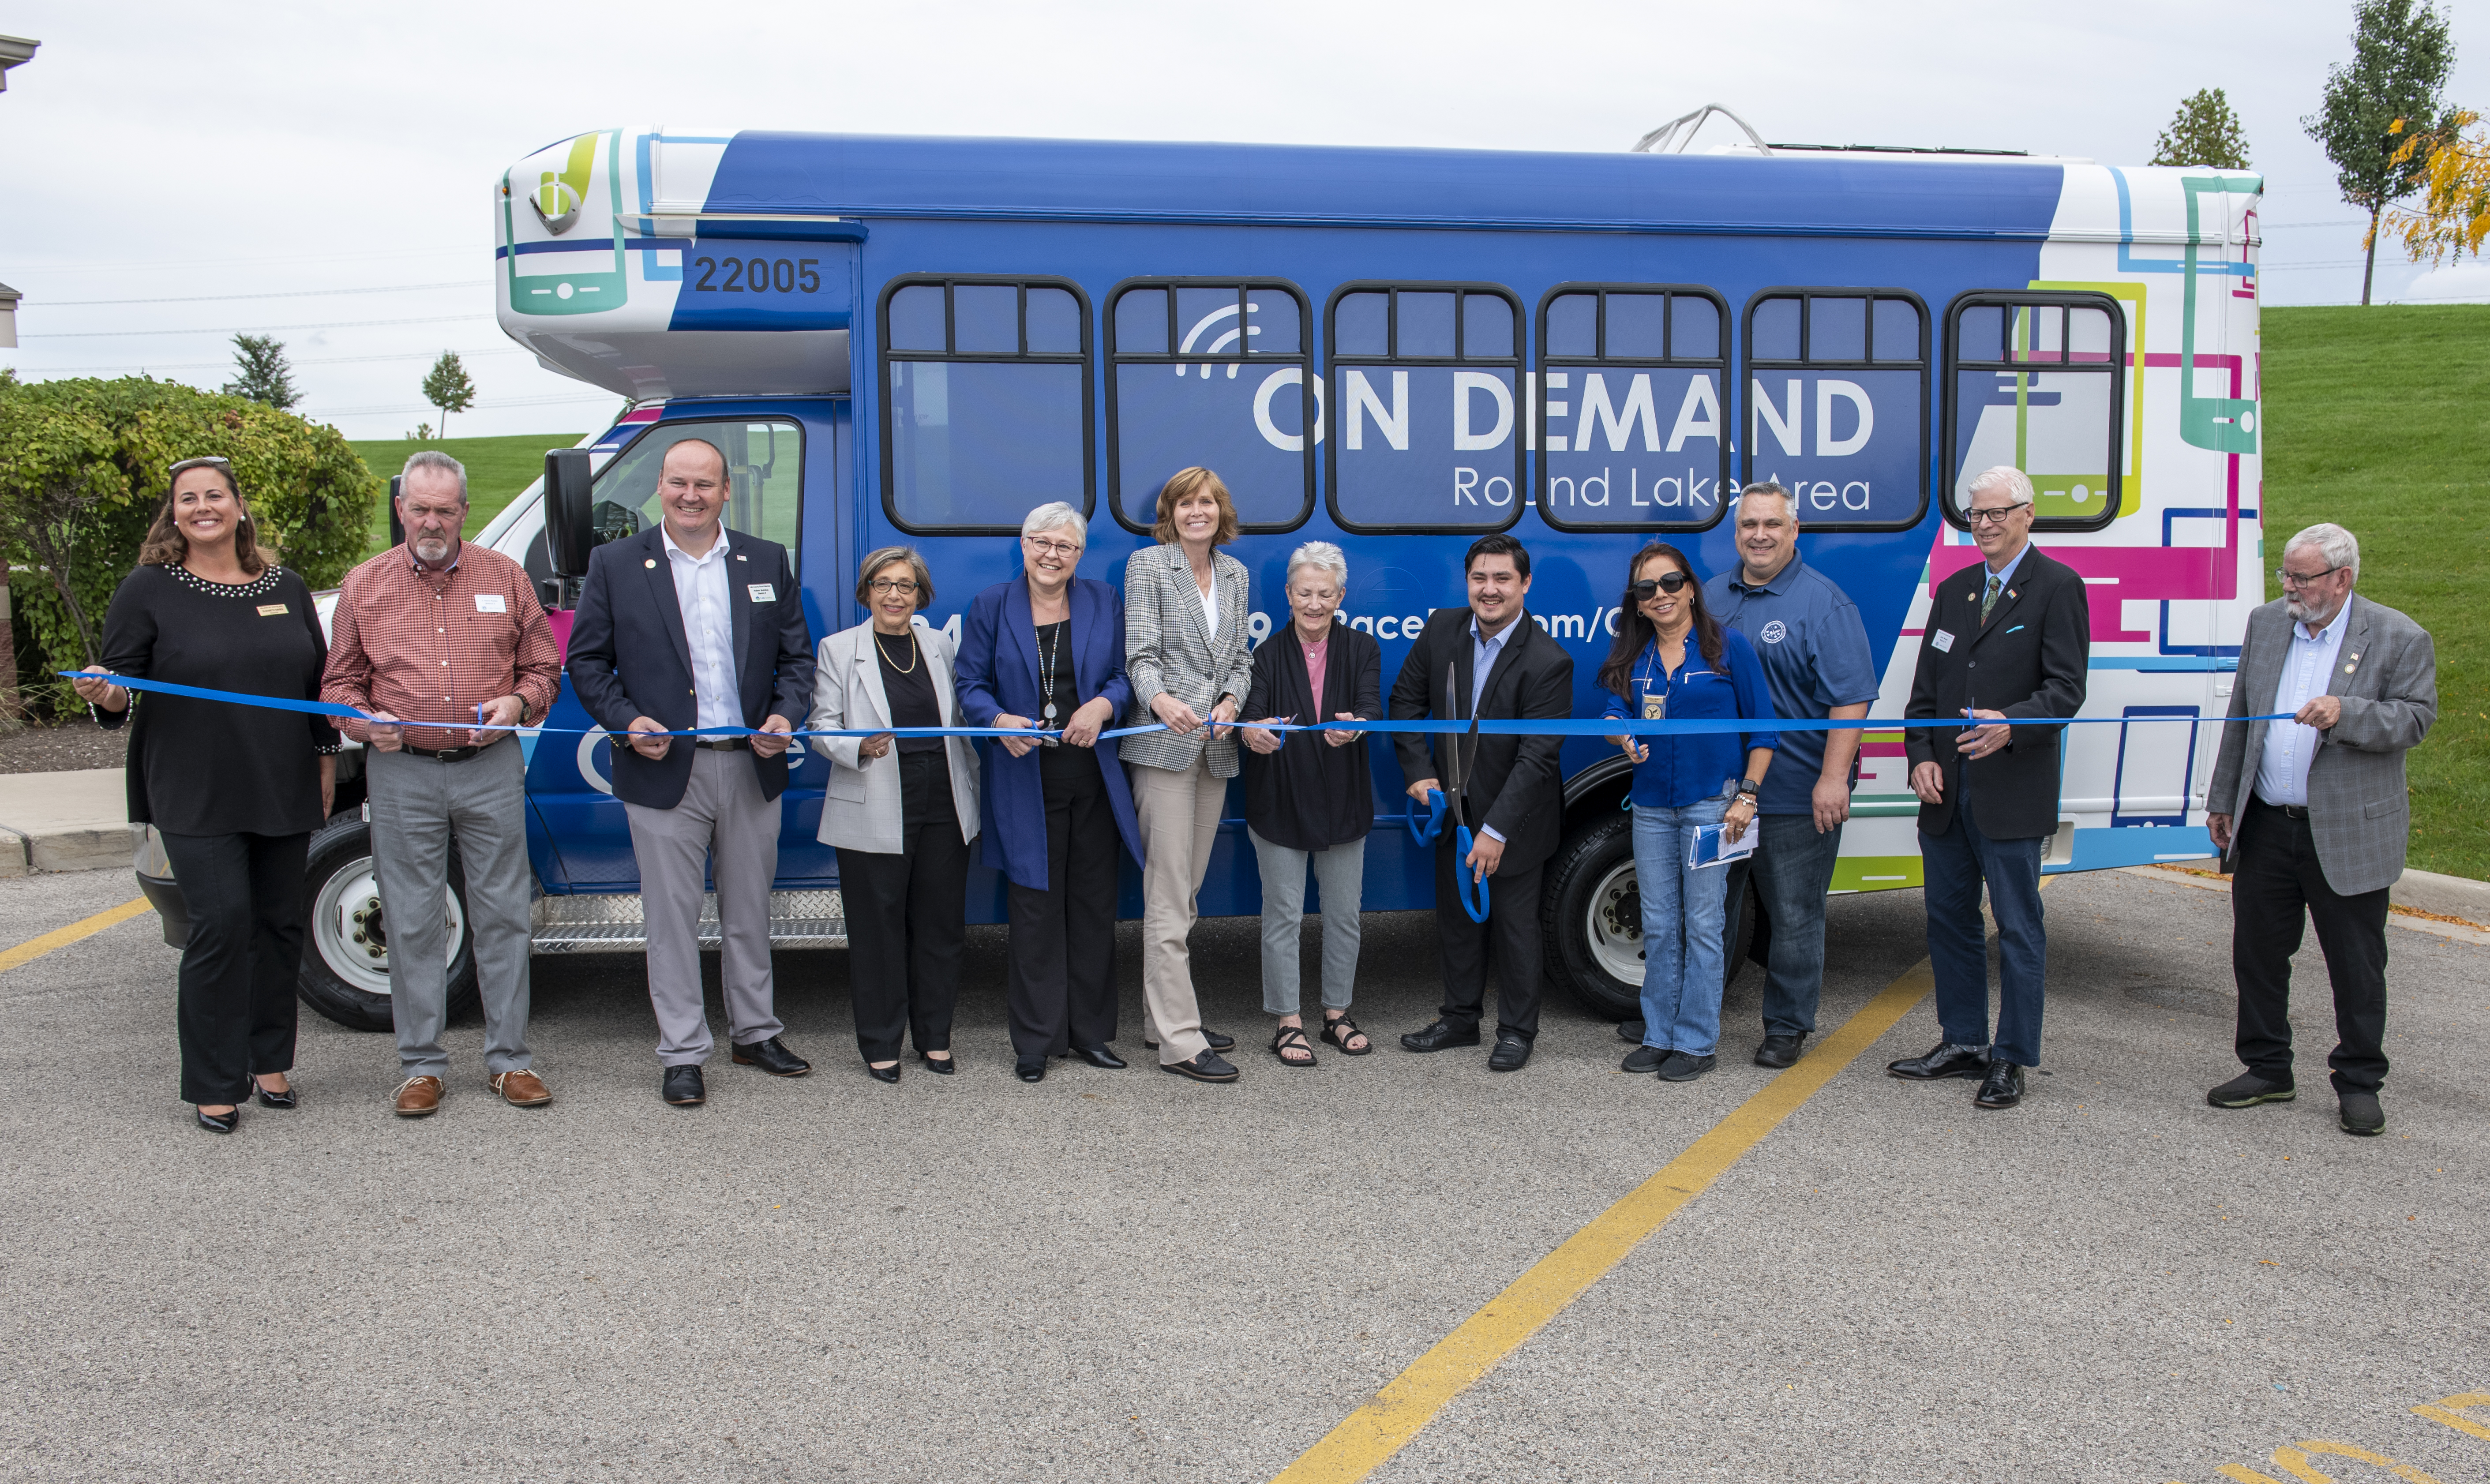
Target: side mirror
{"type": "Point", "coordinates": [398, 526]}
{"type": "Point", "coordinates": [570, 528]}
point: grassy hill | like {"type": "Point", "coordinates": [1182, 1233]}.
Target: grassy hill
{"type": "Point", "coordinates": [2378, 421]}
{"type": "Point", "coordinates": [497, 470]}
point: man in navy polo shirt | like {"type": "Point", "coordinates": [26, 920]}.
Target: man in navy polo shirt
{"type": "Point", "coordinates": [1816, 664]}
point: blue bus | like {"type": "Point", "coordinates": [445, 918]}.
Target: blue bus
{"type": "Point", "coordinates": [919, 339]}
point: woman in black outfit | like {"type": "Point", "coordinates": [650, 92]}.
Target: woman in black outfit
{"type": "Point", "coordinates": [235, 791]}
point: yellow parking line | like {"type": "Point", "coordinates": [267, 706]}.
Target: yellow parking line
{"type": "Point", "coordinates": [1380, 1429]}
{"type": "Point", "coordinates": [34, 948]}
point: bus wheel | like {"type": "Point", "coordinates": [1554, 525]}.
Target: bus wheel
{"type": "Point", "coordinates": [1592, 920]}
{"type": "Point", "coordinates": [345, 971]}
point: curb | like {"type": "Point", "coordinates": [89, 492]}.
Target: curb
{"type": "Point", "coordinates": [79, 848]}
{"type": "Point", "coordinates": [2453, 897]}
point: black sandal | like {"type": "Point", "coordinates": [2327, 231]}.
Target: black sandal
{"type": "Point", "coordinates": [1338, 1028]}
{"type": "Point", "coordinates": [1292, 1037]}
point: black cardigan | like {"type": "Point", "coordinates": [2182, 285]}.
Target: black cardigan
{"type": "Point", "coordinates": [1310, 795]}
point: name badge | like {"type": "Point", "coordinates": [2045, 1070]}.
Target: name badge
{"type": "Point", "coordinates": [491, 603]}
{"type": "Point", "coordinates": [1943, 639]}
{"type": "Point", "coordinates": [1655, 706]}
{"type": "Point", "coordinates": [764, 592]}
{"type": "Point", "coordinates": [272, 610]}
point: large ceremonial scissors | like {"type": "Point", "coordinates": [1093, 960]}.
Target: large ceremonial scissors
{"type": "Point", "coordinates": [1460, 756]}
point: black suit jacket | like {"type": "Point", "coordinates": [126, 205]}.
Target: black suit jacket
{"type": "Point", "coordinates": [1514, 783]}
{"type": "Point", "coordinates": [630, 657]}
{"type": "Point", "coordinates": [2028, 659]}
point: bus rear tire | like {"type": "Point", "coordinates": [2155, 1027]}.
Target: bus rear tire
{"type": "Point", "coordinates": [345, 974]}
{"type": "Point", "coordinates": [1592, 920]}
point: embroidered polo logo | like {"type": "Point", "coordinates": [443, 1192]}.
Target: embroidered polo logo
{"type": "Point", "coordinates": [1774, 632]}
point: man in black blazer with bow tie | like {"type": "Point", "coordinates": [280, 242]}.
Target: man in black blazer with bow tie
{"type": "Point", "coordinates": [682, 627]}
{"type": "Point", "coordinates": [2010, 637]}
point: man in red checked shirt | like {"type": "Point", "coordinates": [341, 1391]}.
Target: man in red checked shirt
{"type": "Point", "coordinates": [430, 639]}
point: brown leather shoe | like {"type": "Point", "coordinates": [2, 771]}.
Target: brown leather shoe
{"type": "Point", "coordinates": [520, 1089]}
{"type": "Point", "coordinates": [419, 1097]}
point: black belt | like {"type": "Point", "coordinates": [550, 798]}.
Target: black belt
{"type": "Point", "coordinates": [447, 754]}
{"type": "Point", "coordinates": [2286, 810]}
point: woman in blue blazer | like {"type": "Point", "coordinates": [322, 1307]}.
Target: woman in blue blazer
{"type": "Point", "coordinates": [1046, 651]}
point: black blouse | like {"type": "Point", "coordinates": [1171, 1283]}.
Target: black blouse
{"type": "Point", "coordinates": [910, 691]}
{"type": "Point", "coordinates": [200, 767]}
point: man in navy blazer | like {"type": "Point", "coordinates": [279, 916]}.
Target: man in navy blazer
{"type": "Point", "coordinates": [690, 626]}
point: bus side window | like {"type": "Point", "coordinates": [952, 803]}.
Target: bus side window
{"type": "Point", "coordinates": [1837, 404]}
{"type": "Point", "coordinates": [764, 472]}
{"type": "Point", "coordinates": [1427, 394]}
{"type": "Point", "coordinates": [985, 404]}
{"type": "Point", "coordinates": [1630, 407]}
{"type": "Point", "coordinates": [1215, 373]}
{"type": "Point", "coordinates": [2038, 380]}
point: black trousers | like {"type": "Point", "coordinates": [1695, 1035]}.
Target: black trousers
{"type": "Point", "coordinates": [2277, 886]}
{"type": "Point", "coordinates": [1508, 937]}
{"type": "Point", "coordinates": [235, 1002]}
{"type": "Point", "coordinates": [906, 915]}
{"type": "Point", "coordinates": [1061, 985]}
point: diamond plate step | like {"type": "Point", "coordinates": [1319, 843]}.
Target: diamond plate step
{"type": "Point", "coordinates": [616, 923]}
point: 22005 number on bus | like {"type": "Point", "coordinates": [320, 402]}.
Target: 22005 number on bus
{"type": "Point", "coordinates": [758, 276]}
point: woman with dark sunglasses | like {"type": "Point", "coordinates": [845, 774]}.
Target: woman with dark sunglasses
{"type": "Point", "coordinates": [1672, 660]}
{"type": "Point", "coordinates": [233, 791]}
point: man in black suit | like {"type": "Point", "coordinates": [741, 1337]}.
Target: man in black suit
{"type": "Point", "coordinates": [692, 625]}
{"type": "Point", "coordinates": [2010, 637]}
{"type": "Point", "coordinates": [1510, 792]}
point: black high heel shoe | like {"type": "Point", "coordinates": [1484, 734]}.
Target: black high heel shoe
{"type": "Point", "coordinates": [269, 1099]}
{"type": "Point", "coordinates": [219, 1123]}
{"type": "Point", "coordinates": [888, 1073]}
{"type": "Point", "coordinates": [943, 1068]}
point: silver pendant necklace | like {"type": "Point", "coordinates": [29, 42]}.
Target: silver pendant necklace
{"type": "Point", "coordinates": [1049, 655]}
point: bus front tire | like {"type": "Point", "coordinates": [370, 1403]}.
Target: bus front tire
{"type": "Point", "coordinates": [344, 975]}
{"type": "Point", "coordinates": [1592, 920]}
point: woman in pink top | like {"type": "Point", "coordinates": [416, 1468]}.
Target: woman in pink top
{"type": "Point", "coordinates": [1310, 798]}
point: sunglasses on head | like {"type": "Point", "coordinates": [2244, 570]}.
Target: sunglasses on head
{"type": "Point", "coordinates": [210, 461]}
{"type": "Point", "coordinates": [1666, 582]}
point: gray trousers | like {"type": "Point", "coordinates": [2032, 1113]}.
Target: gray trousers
{"type": "Point", "coordinates": [1341, 874]}
{"type": "Point", "coordinates": [418, 805]}
{"type": "Point", "coordinates": [725, 829]}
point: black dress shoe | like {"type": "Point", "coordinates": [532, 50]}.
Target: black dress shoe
{"type": "Point", "coordinates": [1098, 1056]}
{"type": "Point", "coordinates": [888, 1073]}
{"type": "Point", "coordinates": [1631, 1030]}
{"type": "Point", "coordinates": [1210, 1037]}
{"type": "Point", "coordinates": [2362, 1115]}
{"type": "Point", "coordinates": [269, 1099]}
{"type": "Point", "coordinates": [1686, 1067]}
{"type": "Point", "coordinates": [1778, 1051]}
{"type": "Point", "coordinates": [773, 1056]}
{"type": "Point", "coordinates": [942, 1066]}
{"type": "Point", "coordinates": [2002, 1088]}
{"type": "Point", "coordinates": [1439, 1036]}
{"type": "Point", "coordinates": [1944, 1060]}
{"type": "Point", "coordinates": [2247, 1090]}
{"type": "Point", "coordinates": [1512, 1053]}
{"type": "Point", "coordinates": [219, 1123]}
{"type": "Point", "coordinates": [1645, 1059]}
{"type": "Point", "coordinates": [1030, 1071]}
{"type": "Point", "coordinates": [684, 1087]}
{"type": "Point", "coordinates": [1209, 1066]}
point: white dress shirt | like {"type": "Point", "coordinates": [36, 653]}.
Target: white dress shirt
{"type": "Point", "coordinates": [2283, 768]}
{"type": "Point", "coordinates": [702, 593]}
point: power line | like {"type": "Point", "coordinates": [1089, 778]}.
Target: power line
{"type": "Point", "coordinates": [335, 324]}
{"type": "Point", "coordinates": [210, 365]}
{"type": "Point", "coordinates": [91, 265]}
{"type": "Point", "coordinates": [523, 401]}
{"type": "Point", "coordinates": [301, 293]}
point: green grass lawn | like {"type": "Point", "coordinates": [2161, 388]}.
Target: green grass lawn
{"type": "Point", "coordinates": [2378, 421]}
{"type": "Point", "coordinates": [497, 470]}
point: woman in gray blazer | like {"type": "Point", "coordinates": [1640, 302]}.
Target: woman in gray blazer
{"type": "Point", "coordinates": [900, 811]}
{"type": "Point", "coordinates": [1185, 652]}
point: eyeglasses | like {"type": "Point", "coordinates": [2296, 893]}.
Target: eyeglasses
{"type": "Point", "coordinates": [2291, 579]}
{"type": "Point", "coordinates": [1043, 546]}
{"type": "Point", "coordinates": [905, 587]}
{"type": "Point", "coordinates": [1995, 515]}
{"type": "Point", "coordinates": [1666, 582]}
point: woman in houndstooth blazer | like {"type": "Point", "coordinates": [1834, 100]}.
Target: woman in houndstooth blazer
{"type": "Point", "coordinates": [1185, 652]}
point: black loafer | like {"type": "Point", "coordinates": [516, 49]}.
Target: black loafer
{"type": "Point", "coordinates": [269, 1099]}
{"type": "Point", "coordinates": [1645, 1059]}
{"type": "Point", "coordinates": [888, 1073]}
{"type": "Point", "coordinates": [1030, 1071]}
{"type": "Point", "coordinates": [1780, 1051]}
{"type": "Point", "coordinates": [684, 1087]}
{"type": "Point", "coordinates": [1943, 1060]}
{"type": "Point", "coordinates": [1631, 1030]}
{"type": "Point", "coordinates": [219, 1122]}
{"type": "Point", "coordinates": [2002, 1088]}
{"type": "Point", "coordinates": [1511, 1054]}
{"type": "Point", "coordinates": [1210, 1037]}
{"type": "Point", "coordinates": [1209, 1066]}
{"type": "Point", "coordinates": [773, 1056]}
{"type": "Point", "coordinates": [1440, 1036]}
{"type": "Point", "coordinates": [943, 1068]}
{"type": "Point", "coordinates": [2362, 1114]}
{"type": "Point", "coordinates": [2247, 1090]}
{"type": "Point", "coordinates": [1686, 1067]}
{"type": "Point", "coordinates": [1098, 1056]}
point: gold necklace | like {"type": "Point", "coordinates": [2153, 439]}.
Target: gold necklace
{"type": "Point", "coordinates": [908, 669]}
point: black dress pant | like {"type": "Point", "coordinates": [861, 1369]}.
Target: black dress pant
{"type": "Point", "coordinates": [2276, 886]}
{"type": "Point", "coordinates": [1061, 981]}
{"type": "Point", "coordinates": [235, 1002]}
{"type": "Point", "coordinates": [1508, 937]}
{"type": "Point", "coordinates": [906, 915]}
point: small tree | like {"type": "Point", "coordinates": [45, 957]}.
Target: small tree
{"type": "Point", "coordinates": [446, 387]}
{"type": "Point", "coordinates": [2204, 131]}
{"type": "Point", "coordinates": [2454, 214]}
{"type": "Point", "coordinates": [2390, 90]}
{"type": "Point", "coordinates": [261, 372]}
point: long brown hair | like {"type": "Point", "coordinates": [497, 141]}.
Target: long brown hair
{"type": "Point", "coordinates": [167, 546]}
{"type": "Point", "coordinates": [1633, 630]}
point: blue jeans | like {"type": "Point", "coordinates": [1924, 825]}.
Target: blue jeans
{"type": "Point", "coordinates": [1955, 864]}
{"type": "Point", "coordinates": [1682, 921]}
{"type": "Point", "coordinates": [1792, 868]}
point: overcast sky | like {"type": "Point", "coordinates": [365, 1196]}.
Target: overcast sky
{"type": "Point", "coordinates": [344, 154]}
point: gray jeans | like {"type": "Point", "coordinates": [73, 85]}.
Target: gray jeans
{"type": "Point", "coordinates": [1340, 873]}
{"type": "Point", "coordinates": [725, 830]}
{"type": "Point", "coordinates": [418, 804]}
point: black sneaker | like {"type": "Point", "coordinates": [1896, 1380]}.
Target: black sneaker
{"type": "Point", "coordinates": [1679, 1067]}
{"type": "Point", "coordinates": [1631, 1030]}
{"type": "Point", "coordinates": [2247, 1090]}
{"type": "Point", "coordinates": [2361, 1115]}
{"type": "Point", "coordinates": [1645, 1059]}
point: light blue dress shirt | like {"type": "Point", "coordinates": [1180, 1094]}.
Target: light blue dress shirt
{"type": "Point", "coordinates": [2283, 768]}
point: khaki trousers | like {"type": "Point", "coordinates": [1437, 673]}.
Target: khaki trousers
{"type": "Point", "coordinates": [1178, 812]}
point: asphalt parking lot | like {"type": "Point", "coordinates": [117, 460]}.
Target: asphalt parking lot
{"type": "Point", "coordinates": [1123, 1275]}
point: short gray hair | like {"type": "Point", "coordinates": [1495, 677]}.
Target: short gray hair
{"type": "Point", "coordinates": [2341, 548]}
{"type": "Point", "coordinates": [1047, 517]}
{"type": "Point", "coordinates": [2017, 482]}
{"type": "Point", "coordinates": [1321, 556]}
{"type": "Point", "coordinates": [435, 459]}
{"type": "Point", "coordinates": [1771, 488]}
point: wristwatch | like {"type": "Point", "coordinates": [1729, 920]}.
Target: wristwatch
{"type": "Point", "coordinates": [1747, 789]}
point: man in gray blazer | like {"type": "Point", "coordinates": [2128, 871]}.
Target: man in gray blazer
{"type": "Point", "coordinates": [2312, 814]}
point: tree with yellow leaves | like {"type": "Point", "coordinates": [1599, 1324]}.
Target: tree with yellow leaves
{"type": "Point", "coordinates": [2453, 215]}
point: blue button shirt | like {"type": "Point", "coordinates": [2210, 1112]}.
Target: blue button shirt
{"type": "Point", "coordinates": [2307, 670]}
{"type": "Point", "coordinates": [1687, 768]}
{"type": "Point", "coordinates": [1813, 647]}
